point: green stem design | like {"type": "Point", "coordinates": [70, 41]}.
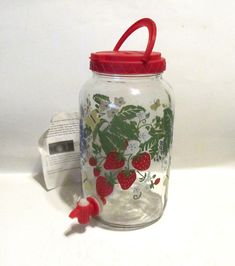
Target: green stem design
{"type": "Point", "coordinates": [141, 121]}
{"type": "Point", "coordinates": [127, 154]}
{"type": "Point", "coordinates": [101, 161]}
{"type": "Point", "coordinates": [143, 176]}
{"type": "Point", "coordinates": [128, 162]}
{"type": "Point", "coordinates": [145, 125]}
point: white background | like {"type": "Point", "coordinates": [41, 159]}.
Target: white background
{"type": "Point", "coordinates": [44, 50]}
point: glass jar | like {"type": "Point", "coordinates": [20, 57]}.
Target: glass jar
{"type": "Point", "coordinates": [126, 126]}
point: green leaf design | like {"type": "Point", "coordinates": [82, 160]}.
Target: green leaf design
{"type": "Point", "coordinates": [130, 111]}
{"type": "Point", "coordinates": [96, 148]}
{"type": "Point", "coordinates": [151, 145]}
{"type": "Point", "coordinates": [157, 122]}
{"type": "Point", "coordinates": [147, 115]}
{"type": "Point", "coordinates": [115, 141]}
{"type": "Point", "coordinates": [124, 127]}
{"type": "Point", "coordinates": [133, 123]}
{"type": "Point", "coordinates": [119, 127]}
{"type": "Point", "coordinates": [161, 130]}
{"type": "Point", "coordinates": [95, 131]}
{"type": "Point", "coordinates": [153, 131]}
{"type": "Point", "coordinates": [111, 178]}
{"type": "Point", "coordinates": [167, 124]}
{"type": "Point", "coordinates": [118, 141]}
{"type": "Point", "coordinates": [105, 142]}
{"type": "Point", "coordinates": [99, 97]}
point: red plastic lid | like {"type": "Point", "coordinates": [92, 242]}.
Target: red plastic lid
{"type": "Point", "coordinates": [130, 62]}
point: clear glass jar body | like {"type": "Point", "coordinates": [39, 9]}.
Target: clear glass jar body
{"type": "Point", "coordinates": [126, 131]}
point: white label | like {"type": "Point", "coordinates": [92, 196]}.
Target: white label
{"type": "Point", "coordinates": [59, 148]}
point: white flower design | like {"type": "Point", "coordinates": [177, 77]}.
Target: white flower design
{"type": "Point", "coordinates": [144, 135]}
{"type": "Point", "coordinates": [119, 101]}
{"type": "Point", "coordinates": [141, 115]}
{"type": "Point", "coordinates": [104, 105]}
{"type": "Point", "coordinates": [132, 147]}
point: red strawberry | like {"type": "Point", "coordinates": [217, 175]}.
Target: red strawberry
{"type": "Point", "coordinates": [113, 161]}
{"type": "Point", "coordinates": [126, 178]}
{"type": "Point", "coordinates": [141, 161]}
{"type": "Point", "coordinates": [103, 187]}
{"type": "Point", "coordinates": [92, 161]}
{"type": "Point", "coordinates": [96, 171]}
{"type": "Point", "coordinates": [157, 181]}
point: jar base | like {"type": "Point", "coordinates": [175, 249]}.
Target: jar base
{"type": "Point", "coordinates": [133, 214]}
{"type": "Point", "coordinates": [122, 227]}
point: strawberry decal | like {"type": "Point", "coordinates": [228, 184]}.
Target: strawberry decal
{"type": "Point", "coordinates": [96, 171]}
{"type": "Point", "coordinates": [92, 161]}
{"type": "Point", "coordinates": [157, 181]}
{"type": "Point", "coordinates": [126, 178]}
{"type": "Point", "coordinates": [114, 161]}
{"type": "Point", "coordinates": [120, 141]}
{"type": "Point", "coordinates": [104, 186]}
{"type": "Point", "coordinates": [141, 161]}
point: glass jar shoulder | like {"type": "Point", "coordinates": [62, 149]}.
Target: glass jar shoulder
{"type": "Point", "coordinates": [136, 91]}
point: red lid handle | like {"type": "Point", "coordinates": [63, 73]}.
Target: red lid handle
{"type": "Point", "coordinates": [144, 22]}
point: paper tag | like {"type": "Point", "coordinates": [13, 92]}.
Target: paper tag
{"type": "Point", "coordinates": [59, 148]}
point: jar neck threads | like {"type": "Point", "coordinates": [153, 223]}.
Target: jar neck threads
{"type": "Point", "coordinates": [125, 78]}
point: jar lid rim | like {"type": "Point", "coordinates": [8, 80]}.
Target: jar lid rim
{"type": "Point", "coordinates": [126, 62]}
